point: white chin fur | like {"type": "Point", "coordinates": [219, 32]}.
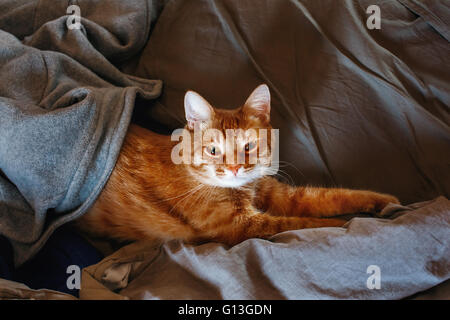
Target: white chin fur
{"type": "Point", "coordinates": [230, 180]}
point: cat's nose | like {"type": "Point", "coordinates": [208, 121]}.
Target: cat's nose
{"type": "Point", "coordinates": [234, 168]}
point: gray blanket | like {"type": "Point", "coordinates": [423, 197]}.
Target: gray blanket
{"type": "Point", "coordinates": [367, 259]}
{"type": "Point", "coordinates": [65, 109]}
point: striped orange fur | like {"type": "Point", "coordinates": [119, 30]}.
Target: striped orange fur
{"type": "Point", "coordinates": [148, 196]}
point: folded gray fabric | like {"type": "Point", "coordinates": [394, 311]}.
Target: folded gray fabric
{"type": "Point", "coordinates": [65, 109]}
{"type": "Point", "coordinates": [369, 258]}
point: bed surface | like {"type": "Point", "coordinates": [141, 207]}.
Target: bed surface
{"type": "Point", "coordinates": [409, 249]}
{"type": "Point", "coordinates": [356, 108]}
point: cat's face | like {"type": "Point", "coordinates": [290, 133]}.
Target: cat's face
{"type": "Point", "coordinates": [235, 146]}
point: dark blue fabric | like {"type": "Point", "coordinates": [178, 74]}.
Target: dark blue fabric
{"type": "Point", "coordinates": [48, 269]}
{"type": "Point", "coordinates": [6, 259]}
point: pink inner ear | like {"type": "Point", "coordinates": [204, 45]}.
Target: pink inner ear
{"type": "Point", "coordinates": [196, 108]}
{"type": "Point", "coordinates": [260, 107]}
{"type": "Point", "coordinates": [258, 103]}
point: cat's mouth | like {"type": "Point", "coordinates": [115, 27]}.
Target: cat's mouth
{"type": "Point", "coordinates": [230, 179]}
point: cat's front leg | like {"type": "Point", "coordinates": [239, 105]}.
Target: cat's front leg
{"type": "Point", "coordinates": [283, 200]}
{"type": "Point", "coordinates": [259, 225]}
{"type": "Point", "coordinates": [345, 201]}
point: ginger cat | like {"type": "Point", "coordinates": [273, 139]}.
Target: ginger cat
{"type": "Point", "coordinates": [149, 196]}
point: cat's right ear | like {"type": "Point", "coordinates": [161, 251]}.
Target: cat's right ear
{"type": "Point", "coordinates": [196, 109]}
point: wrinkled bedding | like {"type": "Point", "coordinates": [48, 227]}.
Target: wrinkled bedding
{"type": "Point", "coordinates": [356, 108]}
{"type": "Point", "coordinates": [65, 109]}
{"type": "Point", "coordinates": [411, 251]}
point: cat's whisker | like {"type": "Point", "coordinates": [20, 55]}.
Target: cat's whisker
{"type": "Point", "coordinates": [277, 173]}
{"type": "Point", "coordinates": [292, 182]}
{"type": "Point", "coordinates": [204, 194]}
{"type": "Point", "coordinates": [286, 163]}
{"type": "Point", "coordinates": [193, 191]}
{"type": "Point", "coordinates": [186, 193]}
{"type": "Point", "coordinates": [200, 196]}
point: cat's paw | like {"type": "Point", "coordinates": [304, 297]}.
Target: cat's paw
{"type": "Point", "coordinates": [376, 202]}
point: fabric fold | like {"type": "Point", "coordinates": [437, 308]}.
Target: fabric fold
{"type": "Point", "coordinates": [65, 111]}
{"type": "Point", "coordinates": [410, 250]}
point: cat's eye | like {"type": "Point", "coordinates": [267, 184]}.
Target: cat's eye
{"type": "Point", "coordinates": [250, 146]}
{"type": "Point", "coordinates": [213, 151]}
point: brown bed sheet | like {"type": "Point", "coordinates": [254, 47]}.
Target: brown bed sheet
{"type": "Point", "coordinates": [356, 108]}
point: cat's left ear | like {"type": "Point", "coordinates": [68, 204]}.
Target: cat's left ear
{"type": "Point", "coordinates": [258, 104]}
